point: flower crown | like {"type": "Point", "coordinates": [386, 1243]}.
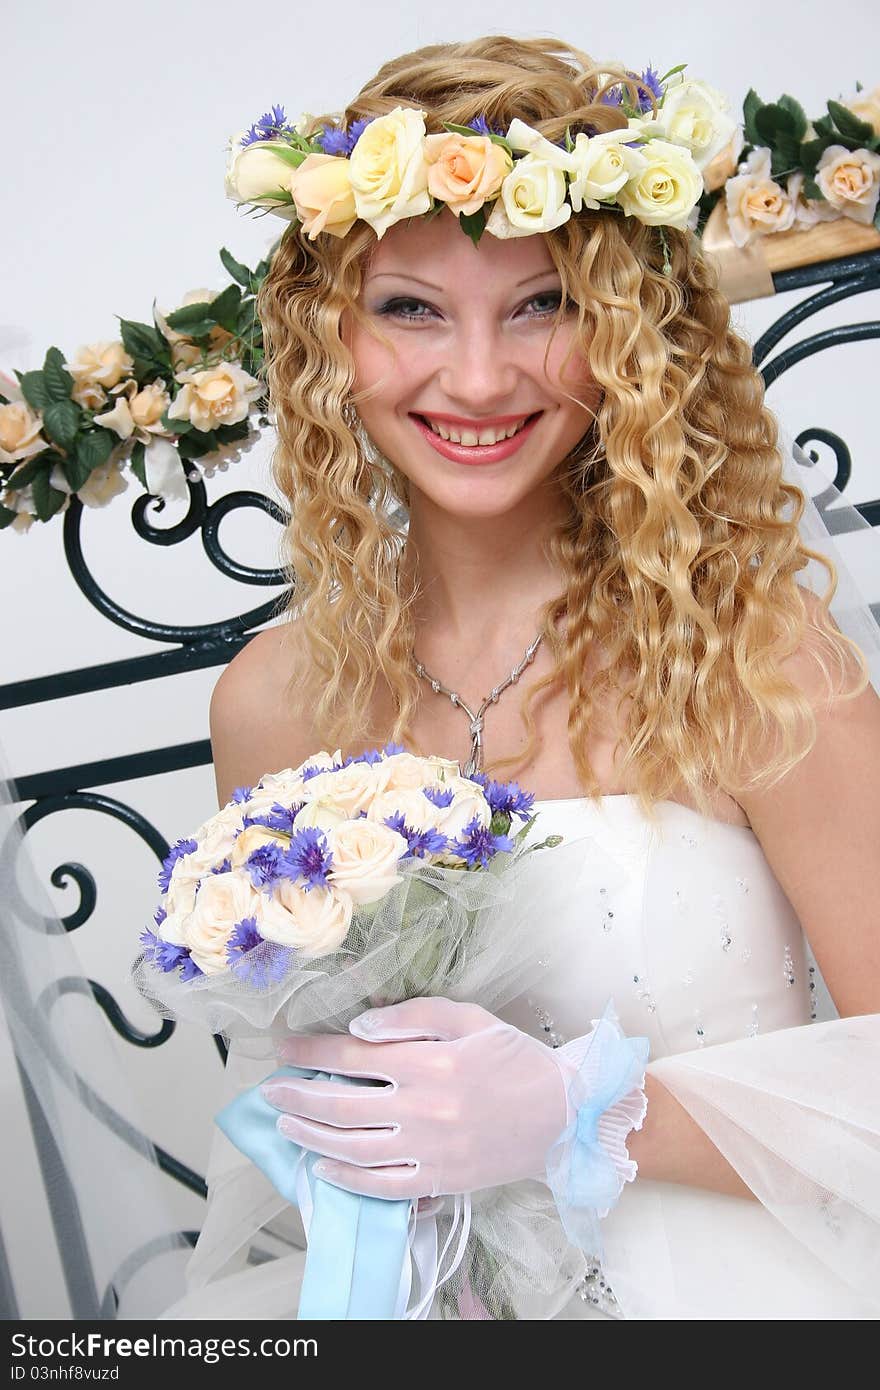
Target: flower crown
{"type": "Point", "coordinates": [511, 183]}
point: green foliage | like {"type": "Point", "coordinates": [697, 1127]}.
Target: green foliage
{"type": "Point", "coordinates": [851, 126]}
{"type": "Point", "coordinates": [61, 420]}
{"type": "Point", "coordinates": [146, 345]}
{"type": "Point", "coordinates": [783, 128]}
{"type": "Point", "coordinates": [137, 464]}
{"type": "Point", "coordinates": [47, 499]}
{"type": "Point", "coordinates": [26, 472]}
{"type": "Point", "coordinates": [474, 224]}
{"type": "Point", "coordinates": [33, 388]}
{"type": "Point", "coordinates": [57, 380]}
{"type": "Point", "coordinates": [93, 448]}
{"type": "Point", "coordinates": [235, 268]}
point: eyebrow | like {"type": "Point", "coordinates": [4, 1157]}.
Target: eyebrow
{"type": "Point", "coordinates": [402, 275]}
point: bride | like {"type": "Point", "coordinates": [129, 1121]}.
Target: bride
{"type": "Point", "coordinates": [542, 457]}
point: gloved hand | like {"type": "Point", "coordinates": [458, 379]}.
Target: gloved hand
{"type": "Point", "coordinates": [470, 1101]}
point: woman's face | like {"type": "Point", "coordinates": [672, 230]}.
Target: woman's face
{"type": "Point", "coordinates": [468, 329]}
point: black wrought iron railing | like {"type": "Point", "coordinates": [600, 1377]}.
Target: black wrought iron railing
{"type": "Point", "coordinates": [46, 793]}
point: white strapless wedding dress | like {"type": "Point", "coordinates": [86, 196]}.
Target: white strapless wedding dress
{"type": "Point", "coordinates": [702, 953]}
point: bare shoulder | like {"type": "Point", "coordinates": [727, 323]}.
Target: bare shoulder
{"type": "Point", "coordinates": [252, 727]}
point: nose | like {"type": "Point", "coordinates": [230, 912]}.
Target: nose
{"type": "Point", "coordinates": [479, 372]}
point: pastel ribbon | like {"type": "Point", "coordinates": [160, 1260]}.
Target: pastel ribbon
{"type": "Point", "coordinates": [362, 1251]}
{"type": "Point", "coordinates": [580, 1173]}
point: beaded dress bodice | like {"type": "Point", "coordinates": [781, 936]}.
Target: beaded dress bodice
{"type": "Point", "coordinates": [694, 939]}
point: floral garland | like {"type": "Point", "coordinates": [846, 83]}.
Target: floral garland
{"type": "Point", "coordinates": [182, 397]}
{"type": "Point", "coordinates": [168, 401]}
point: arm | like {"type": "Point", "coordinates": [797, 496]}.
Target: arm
{"type": "Point", "coordinates": [819, 829]}
{"type": "Point", "coordinates": [252, 730]}
{"type": "Point", "coordinates": [671, 1147]}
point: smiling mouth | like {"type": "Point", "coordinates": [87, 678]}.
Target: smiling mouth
{"type": "Point", "coordinates": [477, 437]}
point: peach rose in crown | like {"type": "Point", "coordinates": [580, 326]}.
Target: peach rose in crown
{"type": "Point", "coordinates": [323, 195]}
{"type": "Point", "coordinates": [464, 170]}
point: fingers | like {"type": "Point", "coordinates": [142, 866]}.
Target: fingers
{"type": "Point", "coordinates": [363, 1147]}
{"type": "Point", "coordinates": [394, 1183]}
{"type": "Point", "coordinates": [336, 1053]}
{"type": "Point", "coordinates": [333, 1104]}
{"type": "Point", "coordinates": [429, 1019]}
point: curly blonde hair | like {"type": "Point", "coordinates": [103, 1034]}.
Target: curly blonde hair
{"type": "Point", "coordinates": [676, 555]}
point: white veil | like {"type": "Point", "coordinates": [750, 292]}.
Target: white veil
{"type": "Point", "coordinates": [107, 1243]}
{"type": "Point", "coordinates": [114, 1229]}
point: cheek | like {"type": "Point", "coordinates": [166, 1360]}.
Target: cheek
{"type": "Point", "coordinates": [574, 375]}
{"type": "Point", "coordinates": [376, 366]}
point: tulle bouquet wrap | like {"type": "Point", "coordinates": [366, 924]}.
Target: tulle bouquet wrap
{"type": "Point", "coordinates": [329, 889]}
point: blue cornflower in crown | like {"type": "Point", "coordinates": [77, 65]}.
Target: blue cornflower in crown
{"type": "Point", "coordinates": [510, 183]}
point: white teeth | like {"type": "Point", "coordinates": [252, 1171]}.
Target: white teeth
{"type": "Point", "coordinates": [472, 437]}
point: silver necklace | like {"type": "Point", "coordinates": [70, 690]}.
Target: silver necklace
{"type": "Point", "coordinates": [475, 762]}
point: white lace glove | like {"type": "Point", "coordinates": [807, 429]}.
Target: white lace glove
{"type": "Point", "coordinates": [469, 1101]}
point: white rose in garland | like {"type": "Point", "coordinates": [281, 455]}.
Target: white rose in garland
{"type": "Point", "coordinates": [522, 137]}
{"type": "Point", "coordinates": [259, 173]}
{"type": "Point", "coordinates": [388, 169]}
{"type": "Point", "coordinates": [532, 199]}
{"type": "Point", "coordinates": [602, 164]}
{"type": "Point", "coordinates": [666, 190]}
{"type": "Point", "coordinates": [693, 115]}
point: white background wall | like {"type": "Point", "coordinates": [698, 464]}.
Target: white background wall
{"type": "Point", "coordinates": [114, 124]}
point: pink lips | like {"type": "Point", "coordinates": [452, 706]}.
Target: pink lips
{"type": "Point", "coordinates": [476, 453]}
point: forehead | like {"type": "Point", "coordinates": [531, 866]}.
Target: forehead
{"type": "Point", "coordinates": [438, 250]}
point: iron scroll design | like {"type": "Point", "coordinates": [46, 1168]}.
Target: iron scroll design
{"type": "Point", "coordinates": [214, 644]}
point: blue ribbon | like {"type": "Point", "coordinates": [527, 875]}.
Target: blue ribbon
{"type": "Point", "coordinates": [357, 1245]}
{"type": "Point", "coordinates": [580, 1173]}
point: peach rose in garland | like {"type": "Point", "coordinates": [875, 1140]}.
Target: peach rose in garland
{"type": "Point", "coordinates": [323, 196]}
{"type": "Point", "coordinates": [20, 436]}
{"type": "Point", "coordinates": [756, 204]}
{"type": "Point", "coordinates": [99, 364]}
{"type": "Point", "coordinates": [850, 180]}
{"type": "Point", "coordinates": [220, 395]}
{"type": "Point", "coordinates": [464, 171]}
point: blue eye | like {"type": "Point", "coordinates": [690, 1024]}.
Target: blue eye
{"type": "Point", "coordinates": [401, 307]}
{"type": "Point", "coordinates": [555, 296]}
{"type": "Point", "coordinates": [394, 308]}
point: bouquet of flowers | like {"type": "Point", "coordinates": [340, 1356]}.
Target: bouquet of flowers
{"type": "Point", "coordinates": [328, 889]}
